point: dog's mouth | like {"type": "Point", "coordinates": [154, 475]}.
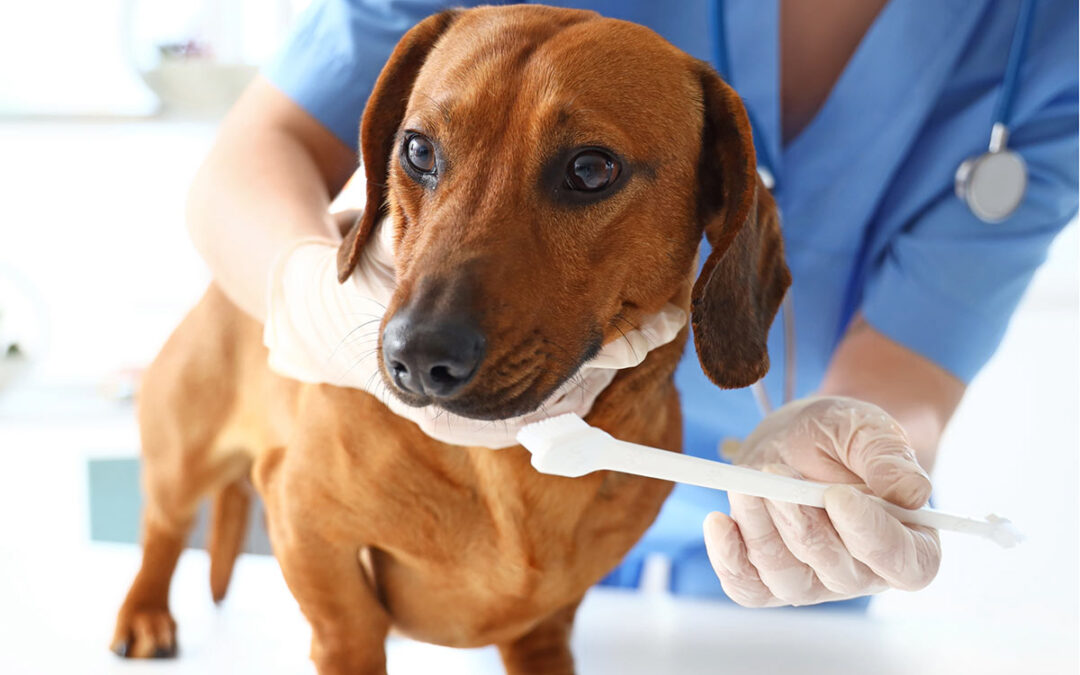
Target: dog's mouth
{"type": "Point", "coordinates": [495, 407]}
{"type": "Point", "coordinates": [519, 383]}
{"type": "Point", "coordinates": [489, 405]}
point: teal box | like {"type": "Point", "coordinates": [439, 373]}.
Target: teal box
{"type": "Point", "coordinates": [115, 500]}
{"type": "Point", "coordinates": [116, 506]}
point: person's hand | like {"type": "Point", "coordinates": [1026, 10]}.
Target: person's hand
{"type": "Point", "coordinates": [771, 553]}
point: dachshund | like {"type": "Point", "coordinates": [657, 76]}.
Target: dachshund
{"type": "Point", "coordinates": [577, 161]}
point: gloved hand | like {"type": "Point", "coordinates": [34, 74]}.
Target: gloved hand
{"type": "Point", "coordinates": [321, 331]}
{"type": "Point", "coordinates": [771, 553]}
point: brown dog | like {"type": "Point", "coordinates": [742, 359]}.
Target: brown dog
{"type": "Point", "coordinates": [575, 163]}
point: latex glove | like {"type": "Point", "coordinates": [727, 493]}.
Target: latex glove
{"type": "Point", "coordinates": [773, 553]}
{"type": "Point", "coordinates": [322, 331]}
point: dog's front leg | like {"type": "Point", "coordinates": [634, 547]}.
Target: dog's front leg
{"type": "Point", "coordinates": [544, 650]}
{"type": "Point", "coordinates": [322, 569]}
{"type": "Point", "coordinates": [348, 626]}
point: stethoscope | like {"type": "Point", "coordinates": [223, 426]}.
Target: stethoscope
{"type": "Point", "coordinates": [991, 184]}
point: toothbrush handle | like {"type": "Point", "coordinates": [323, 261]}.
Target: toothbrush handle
{"type": "Point", "coordinates": [645, 461]}
{"type": "Point", "coordinates": [942, 520]}
{"type": "Point", "coordinates": [655, 463]}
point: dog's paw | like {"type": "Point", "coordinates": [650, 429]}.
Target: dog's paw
{"type": "Point", "coordinates": [145, 633]}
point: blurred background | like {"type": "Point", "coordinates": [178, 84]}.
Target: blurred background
{"type": "Point", "coordinates": [106, 109]}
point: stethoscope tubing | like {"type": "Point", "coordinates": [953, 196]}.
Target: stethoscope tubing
{"type": "Point", "coordinates": [1021, 34]}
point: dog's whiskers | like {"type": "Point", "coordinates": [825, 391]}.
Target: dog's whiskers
{"type": "Point", "coordinates": [623, 333]}
{"type": "Point", "coordinates": [370, 381]}
{"type": "Point", "coordinates": [341, 379]}
{"type": "Point", "coordinates": [346, 336]}
{"type": "Point", "coordinates": [577, 378]}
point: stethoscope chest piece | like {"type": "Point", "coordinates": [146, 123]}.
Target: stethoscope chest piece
{"type": "Point", "coordinates": [992, 184]}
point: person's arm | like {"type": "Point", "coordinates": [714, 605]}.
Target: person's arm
{"type": "Point", "coordinates": [936, 301]}
{"type": "Point", "coordinates": [267, 182]}
{"type": "Point", "coordinates": [916, 392]}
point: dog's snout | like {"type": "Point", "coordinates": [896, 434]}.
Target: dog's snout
{"type": "Point", "coordinates": [432, 357]}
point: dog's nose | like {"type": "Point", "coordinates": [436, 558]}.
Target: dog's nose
{"type": "Point", "coordinates": [432, 357]}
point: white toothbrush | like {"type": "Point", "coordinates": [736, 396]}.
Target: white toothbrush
{"type": "Point", "coordinates": [568, 446]}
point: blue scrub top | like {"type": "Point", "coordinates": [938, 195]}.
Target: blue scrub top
{"type": "Point", "coordinates": [870, 219]}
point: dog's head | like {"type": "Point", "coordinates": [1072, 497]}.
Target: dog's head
{"type": "Point", "coordinates": [551, 173]}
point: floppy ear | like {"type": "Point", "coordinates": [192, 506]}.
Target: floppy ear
{"type": "Point", "coordinates": [378, 129]}
{"type": "Point", "coordinates": [745, 277]}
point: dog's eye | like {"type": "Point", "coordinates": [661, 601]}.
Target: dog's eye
{"type": "Point", "coordinates": [591, 171]}
{"type": "Point", "coordinates": [420, 153]}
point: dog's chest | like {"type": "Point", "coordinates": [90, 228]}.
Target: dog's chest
{"type": "Point", "coordinates": [479, 560]}
{"type": "Point", "coordinates": [467, 547]}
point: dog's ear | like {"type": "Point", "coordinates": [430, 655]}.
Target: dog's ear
{"type": "Point", "coordinates": [378, 129]}
{"type": "Point", "coordinates": [745, 277]}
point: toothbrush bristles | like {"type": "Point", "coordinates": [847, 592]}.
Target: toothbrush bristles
{"type": "Point", "coordinates": [544, 434]}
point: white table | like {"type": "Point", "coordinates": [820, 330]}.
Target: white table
{"type": "Point", "coordinates": [59, 604]}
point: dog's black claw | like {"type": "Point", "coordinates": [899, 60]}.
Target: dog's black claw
{"type": "Point", "coordinates": [121, 649]}
{"type": "Point", "coordinates": [164, 652]}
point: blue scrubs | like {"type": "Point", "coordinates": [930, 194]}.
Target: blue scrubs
{"type": "Point", "coordinates": [866, 189]}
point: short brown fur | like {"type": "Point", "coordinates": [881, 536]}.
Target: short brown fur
{"type": "Point", "coordinates": [377, 525]}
